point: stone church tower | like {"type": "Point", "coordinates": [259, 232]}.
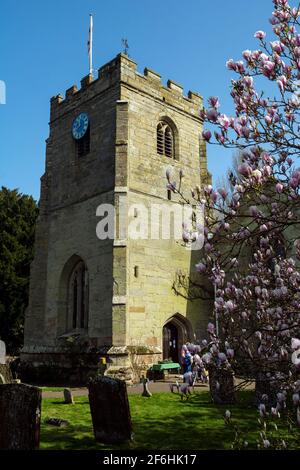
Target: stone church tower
{"type": "Point", "coordinates": [111, 143]}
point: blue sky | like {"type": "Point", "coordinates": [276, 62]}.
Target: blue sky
{"type": "Point", "coordinates": [43, 51]}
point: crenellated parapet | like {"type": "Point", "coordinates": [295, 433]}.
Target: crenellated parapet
{"type": "Point", "coordinates": [123, 70]}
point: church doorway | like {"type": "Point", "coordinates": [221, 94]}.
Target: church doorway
{"type": "Point", "coordinates": [170, 342]}
{"type": "Point", "coordinates": [176, 332]}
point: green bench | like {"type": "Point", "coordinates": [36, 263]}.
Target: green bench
{"type": "Point", "coordinates": [158, 370]}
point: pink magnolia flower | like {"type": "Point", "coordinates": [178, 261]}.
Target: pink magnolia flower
{"type": "Point", "coordinates": [297, 51]}
{"type": "Point", "coordinates": [208, 189]}
{"type": "Point", "coordinates": [229, 305]}
{"type": "Point", "coordinates": [295, 343]}
{"type": "Point", "coordinates": [201, 267]}
{"type": "Point", "coordinates": [277, 47]}
{"type": "Point", "coordinates": [240, 66]}
{"type": "Point", "coordinates": [262, 409]}
{"type": "Point", "coordinates": [281, 397]}
{"type": "Point", "coordinates": [296, 399]}
{"type": "Point", "coordinates": [247, 55]}
{"type": "Point", "coordinates": [222, 192]}
{"type": "Point", "coordinates": [222, 357]}
{"type": "Point", "coordinates": [220, 137]}
{"type": "Point", "coordinates": [224, 121]}
{"type": "Point", "coordinates": [206, 134]}
{"type": "Point", "coordinates": [186, 237]}
{"type": "Point", "coordinates": [282, 82]}
{"type": "Point", "coordinates": [254, 212]}
{"type": "Point", "coordinates": [248, 81]}
{"type": "Point", "coordinates": [230, 353]}
{"type": "Point", "coordinates": [244, 169]}
{"type": "Point", "coordinates": [257, 174]}
{"type": "Point", "coordinates": [231, 65]}
{"type": "Point", "coordinates": [268, 68]}
{"type": "Point", "coordinates": [207, 247]}
{"type": "Point", "coordinates": [214, 101]}
{"type": "Point", "coordinates": [260, 35]}
{"type": "Point", "coordinates": [206, 358]}
{"type": "Point", "coordinates": [172, 186]}
{"type": "Point", "coordinates": [245, 131]}
{"type": "Point", "coordinates": [212, 114]}
{"type": "Point", "coordinates": [268, 119]}
{"type": "Point", "coordinates": [279, 188]}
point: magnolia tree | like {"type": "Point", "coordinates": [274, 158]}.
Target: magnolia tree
{"type": "Point", "coordinates": [251, 239]}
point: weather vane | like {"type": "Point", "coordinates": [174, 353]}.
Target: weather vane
{"type": "Point", "coordinates": [125, 45]}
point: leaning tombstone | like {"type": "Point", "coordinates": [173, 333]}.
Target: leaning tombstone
{"type": "Point", "coordinates": [20, 414]}
{"type": "Point", "coordinates": [146, 391]}
{"type": "Point", "coordinates": [69, 400]}
{"type": "Point", "coordinates": [2, 352]}
{"type": "Point", "coordinates": [110, 410]}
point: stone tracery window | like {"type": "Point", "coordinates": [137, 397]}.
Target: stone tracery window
{"type": "Point", "coordinates": [78, 298]}
{"type": "Point", "coordinates": [165, 140]}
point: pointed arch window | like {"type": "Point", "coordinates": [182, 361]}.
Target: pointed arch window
{"type": "Point", "coordinates": [78, 301]}
{"type": "Point", "coordinates": [165, 140]}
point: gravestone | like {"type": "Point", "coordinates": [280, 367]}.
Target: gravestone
{"type": "Point", "coordinates": [2, 352]}
{"type": "Point", "coordinates": [146, 391]}
{"type": "Point", "coordinates": [221, 385]}
{"type": "Point", "coordinates": [69, 400]}
{"type": "Point", "coordinates": [20, 414]}
{"type": "Point", "coordinates": [6, 375]}
{"type": "Point", "coordinates": [110, 410]}
{"type": "Point", "coordinates": [264, 386]}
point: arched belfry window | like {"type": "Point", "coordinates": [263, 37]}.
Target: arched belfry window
{"type": "Point", "coordinates": [78, 297]}
{"type": "Point", "coordinates": [165, 140]}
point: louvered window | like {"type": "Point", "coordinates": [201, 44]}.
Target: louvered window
{"type": "Point", "coordinates": [165, 140]}
{"type": "Point", "coordinates": [83, 145]}
{"type": "Point", "coordinates": [160, 139]}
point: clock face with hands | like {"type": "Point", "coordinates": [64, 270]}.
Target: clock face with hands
{"type": "Point", "coordinates": [80, 126]}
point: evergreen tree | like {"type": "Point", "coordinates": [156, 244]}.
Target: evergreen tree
{"type": "Point", "coordinates": [18, 213]}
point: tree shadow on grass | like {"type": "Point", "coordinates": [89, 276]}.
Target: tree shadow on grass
{"type": "Point", "coordinates": [163, 422]}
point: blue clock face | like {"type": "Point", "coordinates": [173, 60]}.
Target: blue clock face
{"type": "Point", "coordinates": [80, 125]}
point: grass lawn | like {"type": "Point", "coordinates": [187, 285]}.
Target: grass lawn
{"type": "Point", "coordinates": [160, 422]}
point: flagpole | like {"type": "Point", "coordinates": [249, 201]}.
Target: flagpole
{"type": "Point", "coordinates": [90, 45]}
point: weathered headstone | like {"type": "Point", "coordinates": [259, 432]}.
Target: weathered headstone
{"type": "Point", "coordinates": [110, 410]}
{"type": "Point", "coordinates": [20, 414]}
{"type": "Point", "coordinates": [2, 352]}
{"type": "Point", "coordinates": [6, 374]}
{"type": "Point", "coordinates": [146, 391]}
{"type": "Point", "coordinates": [221, 384]}
{"type": "Point", "coordinates": [264, 386]}
{"type": "Point", "coordinates": [69, 400]}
